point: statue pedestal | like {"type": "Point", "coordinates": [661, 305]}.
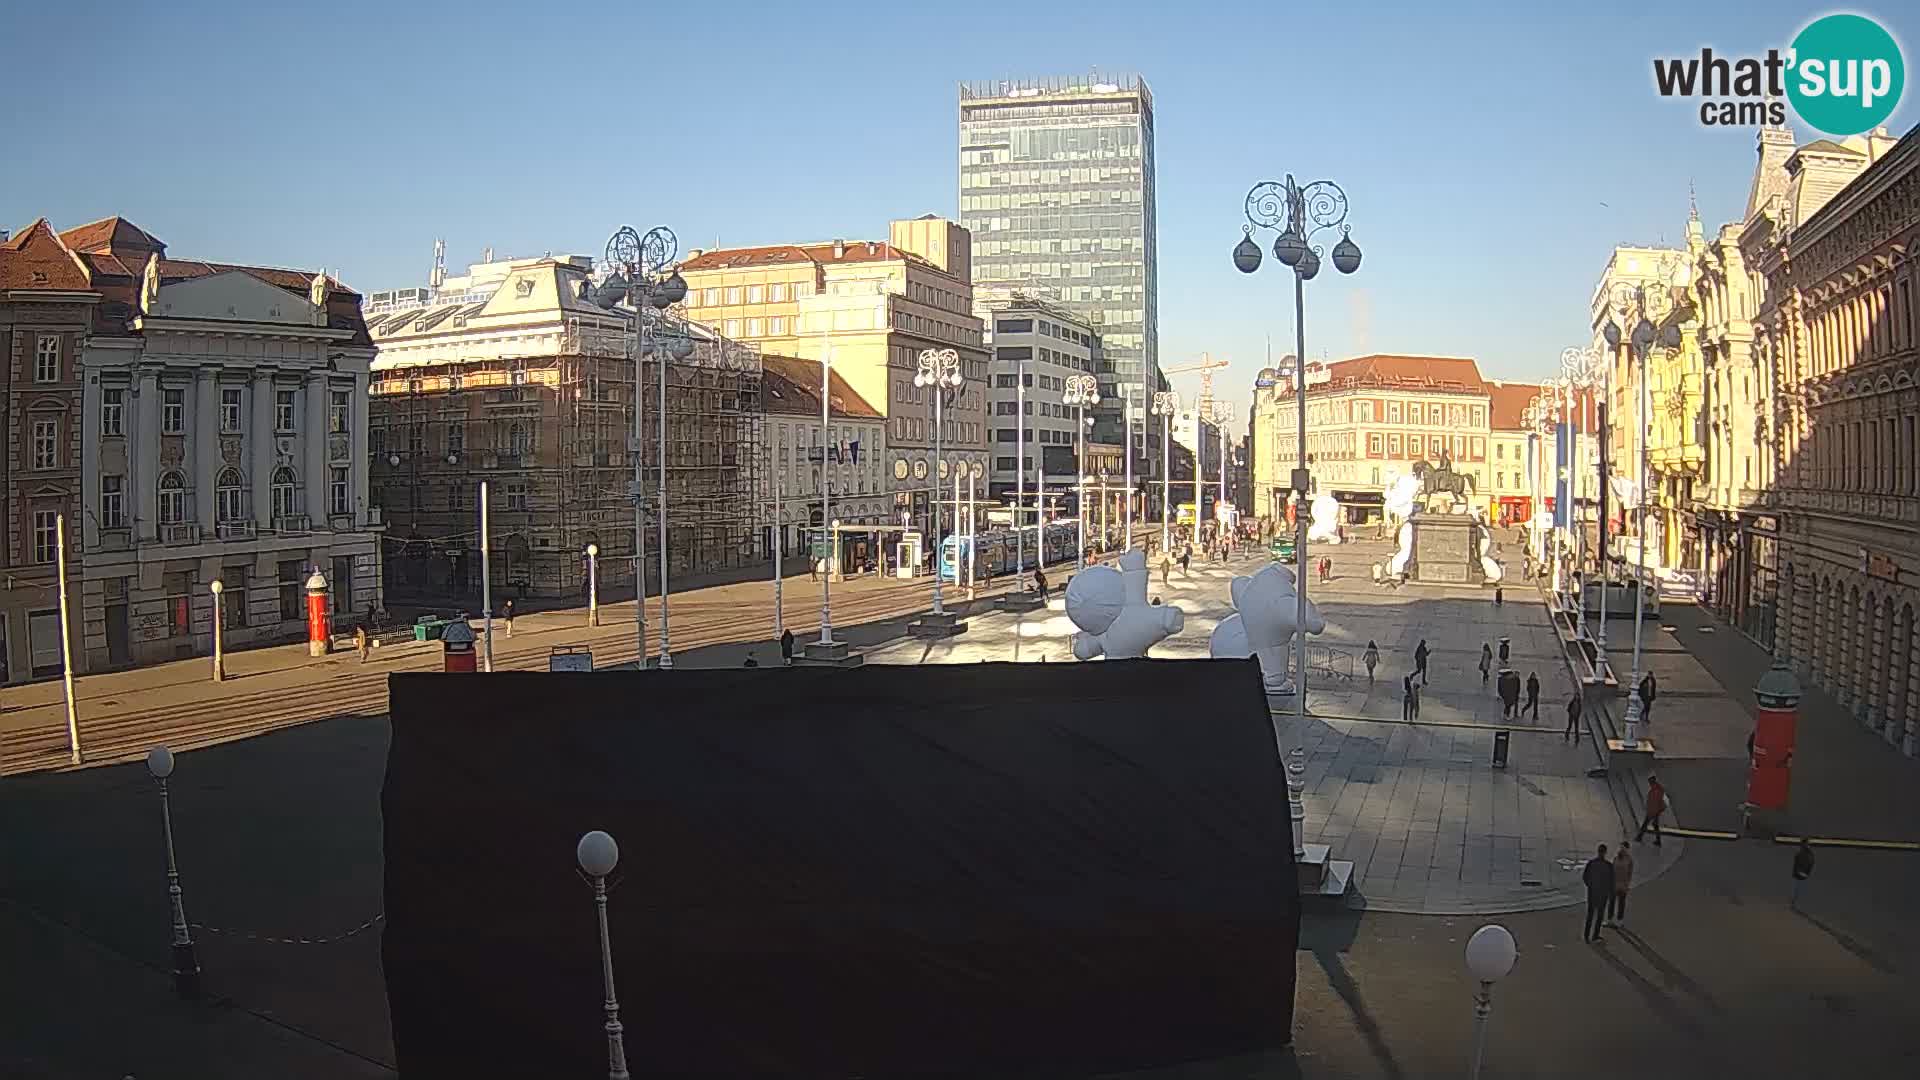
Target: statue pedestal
{"type": "Point", "coordinates": [1443, 549]}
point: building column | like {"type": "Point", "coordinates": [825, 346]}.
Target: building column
{"type": "Point", "coordinates": [359, 486]}
{"type": "Point", "coordinates": [1874, 669]}
{"type": "Point", "coordinates": [1910, 743]}
{"type": "Point", "coordinates": [1786, 608]}
{"type": "Point", "coordinates": [144, 440]}
{"type": "Point", "coordinates": [313, 437]}
{"type": "Point", "coordinates": [260, 445]}
{"type": "Point", "coordinates": [86, 450]}
{"type": "Point", "coordinates": [1899, 657]}
{"type": "Point", "coordinates": [205, 420]}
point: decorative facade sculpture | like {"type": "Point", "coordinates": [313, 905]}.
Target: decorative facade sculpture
{"type": "Point", "coordinates": [1110, 607]}
{"type": "Point", "coordinates": [1264, 621]}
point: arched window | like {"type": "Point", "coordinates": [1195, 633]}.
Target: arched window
{"type": "Point", "coordinates": [286, 493]}
{"type": "Point", "coordinates": [173, 498]}
{"type": "Point", "coordinates": [230, 495]}
{"type": "Point", "coordinates": [517, 441]}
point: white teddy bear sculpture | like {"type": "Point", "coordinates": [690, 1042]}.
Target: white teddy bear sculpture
{"type": "Point", "coordinates": [1264, 621]}
{"type": "Point", "coordinates": [1325, 528]}
{"type": "Point", "coordinates": [1110, 608]}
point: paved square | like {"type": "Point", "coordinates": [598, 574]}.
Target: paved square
{"type": "Point", "coordinates": [1430, 824]}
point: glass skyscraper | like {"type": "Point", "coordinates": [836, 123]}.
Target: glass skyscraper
{"type": "Point", "coordinates": [1057, 186]}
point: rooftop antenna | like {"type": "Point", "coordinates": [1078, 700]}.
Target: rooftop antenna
{"type": "Point", "coordinates": [487, 255]}
{"type": "Point", "coordinates": [439, 275]}
{"type": "Point", "coordinates": [1693, 204]}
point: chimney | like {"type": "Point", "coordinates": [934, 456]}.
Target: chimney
{"type": "Point", "coordinates": [872, 248]}
{"type": "Point", "coordinates": [839, 248]}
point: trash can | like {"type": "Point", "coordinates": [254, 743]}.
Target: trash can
{"type": "Point", "coordinates": [1500, 741]}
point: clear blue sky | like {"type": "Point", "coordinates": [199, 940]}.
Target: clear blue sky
{"type": "Point", "coordinates": [1493, 156]}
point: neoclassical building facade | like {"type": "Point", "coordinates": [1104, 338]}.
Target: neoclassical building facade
{"type": "Point", "coordinates": [1838, 327]}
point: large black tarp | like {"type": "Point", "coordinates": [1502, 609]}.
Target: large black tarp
{"type": "Point", "coordinates": [969, 869]}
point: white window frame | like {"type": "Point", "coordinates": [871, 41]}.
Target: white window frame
{"type": "Point", "coordinates": [113, 501]}
{"type": "Point", "coordinates": [46, 358]}
{"type": "Point", "coordinates": [171, 502]}
{"type": "Point", "coordinates": [113, 405]}
{"type": "Point", "coordinates": [173, 411]}
{"type": "Point", "coordinates": [286, 411]}
{"type": "Point", "coordinates": [232, 406]}
{"type": "Point", "coordinates": [339, 490]}
{"type": "Point", "coordinates": [46, 443]}
{"type": "Point", "coordinates": [46, 536]}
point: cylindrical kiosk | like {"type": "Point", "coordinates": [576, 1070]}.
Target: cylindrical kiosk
{"type": "Point", "coordinates": [457, 643]}
{"type": "Point", "coordinates": [319, 623]}
{"type": "Point", "coordinates": [1770, 772]}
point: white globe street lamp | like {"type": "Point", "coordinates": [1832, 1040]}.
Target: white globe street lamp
{"type": "Point", "coordinates": [1165, 404]}
{"type": "Point", "coordinates": [598, 855]}
{"type": "Point", "coordinates": [219, 663]}
{"type": "Point", "coordinates": [1490, 956]}
{"type": "Point", "coordinates": [186, 967]}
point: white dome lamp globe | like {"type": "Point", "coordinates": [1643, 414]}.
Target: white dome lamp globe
{"type": "Point", "coordinates": [598, 854]}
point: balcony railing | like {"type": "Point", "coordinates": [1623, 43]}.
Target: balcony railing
{"type": "Point", "coordinates": [179, 532]}
{"type": "Point", "coordinates": [292, 524]}
{"type": "Point", "coordinates": [234, 530]}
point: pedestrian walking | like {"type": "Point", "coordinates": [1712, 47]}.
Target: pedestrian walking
{"type": "Point", "coordinates": [1166, 569]}
{"type": "Point", "coordinates": [1040, 583]}
{"type": "Point", "coordinates": [786, 647]}
{"type": "Point", "coordinates": [1648, 691]}
{"type": "Point", "coordinates": [506, 615]}
{"type": "Point", "coordinates": [360, 642]}
{"type": "Point", "coordinates": [1573, 717]}
{"type": "Point", "coordinates": [1506, 650]}
{"type": "Point", "coordinates": [1410, 704]}
{"type": "Point", "coordinates": [1509, 694]}
{"type": "Point", "coordinates": [1371, 658]}
{"type": "Point", "coordinates": [1420, 654]}
{"type": "Point", "coordinates": [1656, 806]}
{"type": "Point", "coordinates": [1622, 881]}
{"type": "Point", "coordinates": [813, 569]}
{"type": "Point", "coordinates": [1598, 877]}
{"type": "Point", "coordinates": [1486, 662]}
{"type": "Point", "coordinates": [1802, 870]}
{"type": "Point", "coordinates": [1186, 557]}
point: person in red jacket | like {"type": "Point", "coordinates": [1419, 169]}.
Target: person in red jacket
{"type": "Point", "coordinates": [1656, 805]}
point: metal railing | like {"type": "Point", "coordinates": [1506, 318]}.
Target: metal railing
{"type": "Point", "coordinates": [242, 529]}
{"type": "Point", "coordinates": [290, 524]}
{"type": "Point", "coordinates": [179, 532]}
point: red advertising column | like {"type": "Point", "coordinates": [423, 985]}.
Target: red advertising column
{"type": "Point", "coordinates": [1770, 773]}
{"type": "Point", "coordinates": [456, 643]}
{"type": "Point", "coordinates": [319, 622]}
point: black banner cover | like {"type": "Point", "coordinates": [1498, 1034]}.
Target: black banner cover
{"type": "Point", "coordinates": [962, 869]}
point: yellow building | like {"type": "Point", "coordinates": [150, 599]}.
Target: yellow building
{"type": "Point", "coordinates": [874, 306]}
{"type": "Point", "coordinates": [1370, 420]}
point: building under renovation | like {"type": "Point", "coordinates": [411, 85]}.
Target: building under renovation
{"type": "Point", "coordinates": [520, 375]}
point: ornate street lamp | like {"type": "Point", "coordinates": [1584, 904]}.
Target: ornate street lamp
{"type": "Point", "coordinates": [1165, 404]}
{"type": "Point", "coordinates": [1298, 214]}
{"type": "Point", "coordinates": [1082, 392]}
{"type": "Point", "coordinates": [644, 266]}
{"type": "Point", "coordinates": [1644, 338]}
{"type": "Point", "coordinates": [940, 371]}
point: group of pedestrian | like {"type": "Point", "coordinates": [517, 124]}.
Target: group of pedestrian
{"type": "Point", "coordinates": [1607, 881]}
{"type": "Point", "coordinates": [1326, 569]}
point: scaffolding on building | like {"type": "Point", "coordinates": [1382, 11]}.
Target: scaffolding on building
{"type": "Point", "coordinates": [440, 429]}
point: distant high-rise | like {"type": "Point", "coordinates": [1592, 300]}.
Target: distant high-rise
{"type": "Point", "coordinates": [1057, 187]}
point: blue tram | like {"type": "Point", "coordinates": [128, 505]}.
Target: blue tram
{"type": "Point", "coordinates": [993, 553]}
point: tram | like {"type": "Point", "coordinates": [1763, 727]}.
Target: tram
{"type": "Point", "coordinates": [993, 553]}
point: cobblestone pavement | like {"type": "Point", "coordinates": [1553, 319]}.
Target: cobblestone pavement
{"type": "Point", "coordinates": [1430, 824]}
